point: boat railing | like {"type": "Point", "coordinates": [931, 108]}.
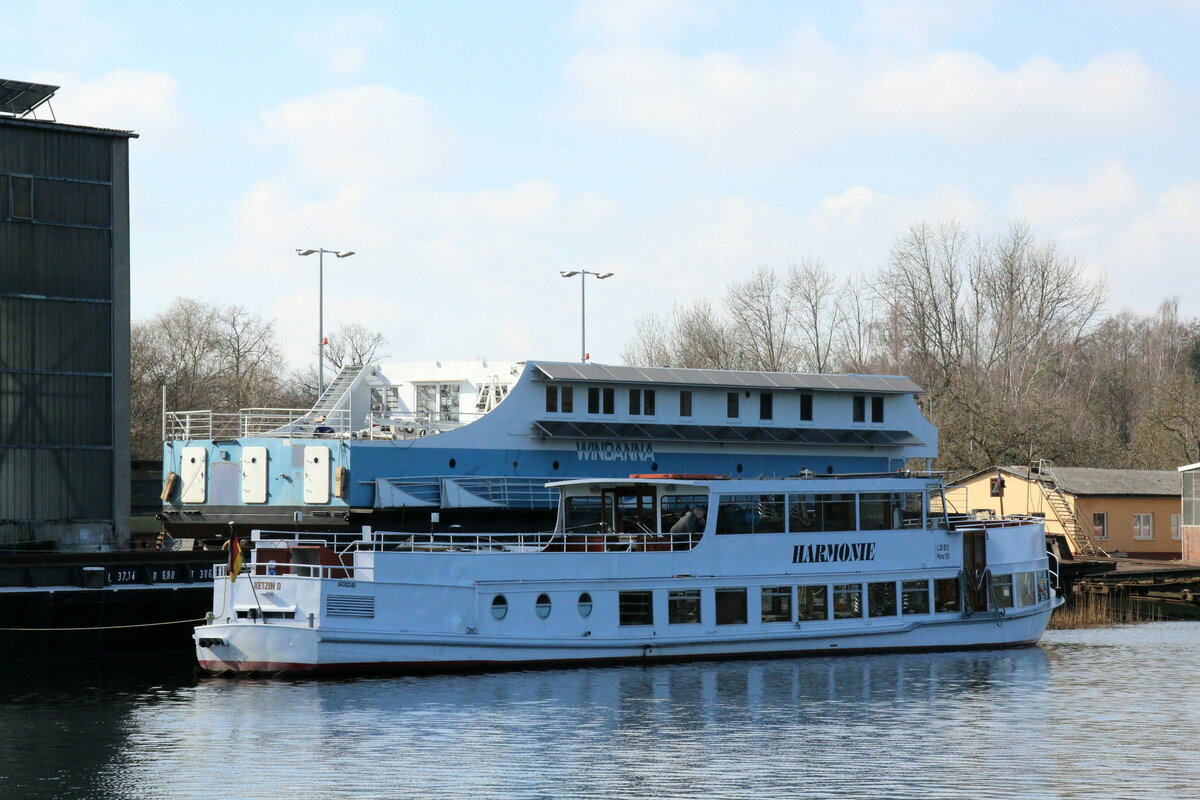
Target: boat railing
{"type": "Point", "coordinates": [343, 545]}
{"type": "Point", "coordinates": [286, 423]}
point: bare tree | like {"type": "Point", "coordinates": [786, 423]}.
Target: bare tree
{"type": "Point", "coordinates": [762, 310]}
{"type": "Point", "coordinates": [817, 308]}
{"type": "Point", "coordinates": [354, 344]}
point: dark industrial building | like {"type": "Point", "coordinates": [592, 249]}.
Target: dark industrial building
{"type": "Point", "coordinates": [64, 329]}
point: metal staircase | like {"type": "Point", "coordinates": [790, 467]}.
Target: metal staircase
{"type": "Point", "coordinates": [1041, 472]}
{"type": "Point", "coordinates": [332, 395]}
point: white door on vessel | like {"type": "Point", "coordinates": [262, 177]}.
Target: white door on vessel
{"type": "Point", "coordinates": [194, 472]}
{"type": "Point", "coordinates": [316, 474]}
{"type": "Point", "coordinates": [254, 474]}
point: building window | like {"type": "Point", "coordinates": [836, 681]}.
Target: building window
{"type": "Point", "coordinates": [731, 405]}
{"type": "Point", "coordinates": [22, 198]}
{"type": "Point", "coordinates": [685, 403]}
{"type": "Point", "coordinates": [777, 604]}
{"type": "Point", "coordinates": [1176, 532]}
{"type": "Point", "coordinates": [636, 608]}
{"type": "Point", "coordinates": [860, 408]}
{"type": "Point", "coordinates": [811, 602]}
{"type": "Point", "coordinates": [806, 408]}
{"type": "Point", "coordinates": [766, 405]}
{"type": "Point", "coordinates": [1100, 524]}
{"type": "Point", "coordinates": [731, 607]}
{"type": "Point", "coordinates": [881, 599]}
{"type": "Point", "coordinates": [551, 399]}
{"type": "Point", "coordinates": [635, 402]}
{"type": "Point", "coordinates": [914, 597]}
{"type": "Point", "coordinates": [683, 606]}
{"type": "Point", "coordinates": [876, 409]}
{"type": "Point", "coordinates": [1143, 526]}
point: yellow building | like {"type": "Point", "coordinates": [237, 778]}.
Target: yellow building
{"type": "Point", "coordinates": [1119, 512]}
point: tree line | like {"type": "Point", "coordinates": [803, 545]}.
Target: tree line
{"type": "Point", "coordinates": [1008, 336]}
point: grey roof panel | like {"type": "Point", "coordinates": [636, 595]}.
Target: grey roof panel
{"type": "Point", "coordinates": [565, 429]}
{"type": "Point", "coordinates": [600, 373]}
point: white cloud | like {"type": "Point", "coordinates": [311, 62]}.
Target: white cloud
{"type": "Point", "coordinates": [812, 93]}
{"type": "Point", "coordinates": [845, 208]}
{"type": "Point", "coordinates": [360, 133]}
{"type": "Point", "coordinates": [634, 19]}
{"type": "Point", "coordinates": [917, 21]}
{"type": "Point", "coordinates": [140, 100]}
{"type": "Point", "coordinates": [1110, 189]}
{"type": "Point", "coordinates": [344, 44]}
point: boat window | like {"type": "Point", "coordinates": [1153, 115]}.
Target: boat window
{"type": "Point", "coordinates": [731, 606]}
{"type": "Point", "coordinates": [750, 513]}
{"type": "Point", "coordinates": [860, 408]}
{"type": "Point", "coordinates": [1002, 591]}
{"type": "Point", "coordinates": [806, 408]}
{"type": "Point", "coordinates": [601, 400]}
{"type": "Point", "coordinates": [499, 607]}
{"type": "Point", "coordinates": [609, 396]}
{"type": "Point", "coordinates": [777, 604]}
{"type": "Point", "coordinates": [551, 399]}
{"type": "Point", "coordinates": [593, 399]}
{"type": "Point", "coordinates": [635, 402]}
{"type": "Point", "coordinates": [585, 514]}
{"type": "Point", "coordinates": [876, 409]}
{"type": "Point", "coordinates": [731, 405]}
{"type": "Point", "coordinates": [877, 512]}
{"type": "Point", "coordinates": [1043, 586]}
{"type": "Point", "coordinates": [585, 605]}
{"type": "Point", "coordinates": [881, 599]}
{"type": "Point", "coordinates": [812, 602]}
{"type": "Point", "coordinates": [847, 600]}
{"type": "Point", "coordinates": [676, 506]}
{"type": "Point", "coordinates": [635, 510]}
{"type": "Point", "coordinates": [914, 597]}
{"type": "Point", "coordinates": [946, 595]}
{"type": "Point", "coordinates": [821, 512]}
{"type": "Point", "coordinates": [1026, 588]}
{"type": "Point", "coordinates": [766, 405]}
{"type": "Point", "coordinates": [683, 606]}
{"type": "Point", "coordinates": [568, 400]}
{"type": "Point", "coordinates": [685, 403]}
{"type": "Point", "coordinates": [636, 608]}
{"type": "Point", "coordinates": [542, 606]}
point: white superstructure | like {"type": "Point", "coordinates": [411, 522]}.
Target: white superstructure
{"type": "Point", "coordinates": [776, 566]}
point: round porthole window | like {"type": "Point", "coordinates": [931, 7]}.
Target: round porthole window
{"type": "Point", "coordinates": [499, 607]}
{"type": "Point", "coordinates": [585, 605]}
{"type": "Point", "coordinates": [543, 605]}
{"type": "Point", "coordinates": [453, 463]}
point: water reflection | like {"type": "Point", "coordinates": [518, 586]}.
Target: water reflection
{"type": "Point", "coordinates": [1031, 722]}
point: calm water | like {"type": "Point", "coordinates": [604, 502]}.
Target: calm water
{"type": "Point", "coordinates": [1088, 714]}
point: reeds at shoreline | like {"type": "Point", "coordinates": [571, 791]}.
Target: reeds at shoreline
{"type": "Point", "coordinates": [1100, 611]}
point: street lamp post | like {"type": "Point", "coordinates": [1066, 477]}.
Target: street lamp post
{"type": "Point", "coordinates": [320, 251]}
{"type": "Point", "coordinates": [583, 273]}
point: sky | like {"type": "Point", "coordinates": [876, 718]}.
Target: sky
{"type": "Point", "coordinates": [470, 151]}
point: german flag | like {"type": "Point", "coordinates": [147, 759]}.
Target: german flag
{"type": "Point", "coordinates": [235, 558]}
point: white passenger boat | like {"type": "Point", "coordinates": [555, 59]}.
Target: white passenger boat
{"type": "Point", "coordinates": [807, 565]}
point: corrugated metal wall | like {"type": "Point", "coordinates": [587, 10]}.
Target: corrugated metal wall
{"type": "Point", "coordinates": [57, 276]}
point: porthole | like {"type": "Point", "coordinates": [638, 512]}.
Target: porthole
{"type": "Point", "coordinates": [543, 606]}
{"type": "Point", "coordinates": [452, 463]}
{"type": "Point", "coordinates": [739, 467]}
{"type": "Point", "coordinates": [654, 466]}
{"type": "Point", "coordinates": [829, 470]}
{"type": "Point", "coordinates": [585, 605]}
{"type": "Point", "coordinates": [554, 465]}
{"type": "Point", "coordinates": [514, 465]}
{"type": "Point", "coordinates": [499, 607]}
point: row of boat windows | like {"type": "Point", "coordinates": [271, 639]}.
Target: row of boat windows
{"type": "Point", "coordinates": [815, 602]}
{"type": "Point", "coordinates": [644, 402]}
{"type": "Point", "coordinates": [635, 510]}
